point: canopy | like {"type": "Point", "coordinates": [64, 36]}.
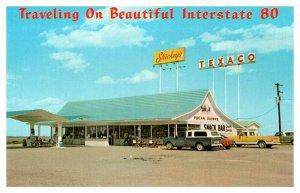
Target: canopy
{"type": "Point", "coordinates": [35, 115]}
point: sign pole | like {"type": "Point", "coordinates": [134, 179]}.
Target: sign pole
{"type": "Point", "coordinates": [238, 88]}
{"type": "Point", "coordinates": [160, 78]}
{"type": "Point", "coordinates": [225, 90]}
{"type": "Point", "coordinates": [213, 82]}
{"type": "Point", "coordinates": [177, 74]}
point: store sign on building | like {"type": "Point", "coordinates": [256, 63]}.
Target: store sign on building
{"type": "Point", "coordinates": [229, 60]}
{"type": "Point", "coordinates": [169, 56]}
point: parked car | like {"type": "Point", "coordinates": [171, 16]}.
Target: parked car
{"type": "Point", "coordinates": [227, 142]}
{"type": "Point", "coordinates": [198, 139]}
{"type": "Point", "coordinates": [286, 137]}
{"type": "Point", "coordinates": [261, 141]}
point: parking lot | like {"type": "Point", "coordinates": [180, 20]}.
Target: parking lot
{"type": "Point", "coordinates": [139, 167]}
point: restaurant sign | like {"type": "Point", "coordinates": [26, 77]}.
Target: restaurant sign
{"type": "Point", "coordinates": [169, 56]}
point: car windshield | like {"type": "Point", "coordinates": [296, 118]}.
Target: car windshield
{"type": "Point", "coordinates": [214, 133]}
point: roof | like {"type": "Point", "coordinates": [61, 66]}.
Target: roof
{"type": "Point", "coordinates": [35, 115]}
{"type": "Point", "coordinates": [248, 123]}
{"type": "Point", "coordinates": [147, 107]}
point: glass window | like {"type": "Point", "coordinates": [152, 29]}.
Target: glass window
{"type": "Point", "coordinates": [145, 131]}
{"type": "Point", "coordinates": [69, 132]}
{"type": "Point", "coordinates": [200, 134]}
{"type": "Point", "coordinates": [102, 132]}
{"type": "Point", "coordinates": [172, 129]}
{"type": "Point", "coordinates": [194, 127]}
{"type": "Point", "coordinates": [189, 134]}
{"type": "Point", "coordinates": [79, 132]}
{"type": "Point", "coordinates": [91, 132]}
{"type": "Point", "coordinates": [181, 127]}
{"type": "Point", "coordinates": [252, 134]}
{"type": "Point", "coordinates": [159, 131]}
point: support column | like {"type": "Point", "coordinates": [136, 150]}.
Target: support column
{"type": "Point", "coordinates": [51, 132]}
{"type": "Point", "coordinates": [134, 131]}
{"type": "Point", "coordinates": [107, 133]}
{"type": "Point", "coordinates": [139, 133]}
{"type": "Point", "coordinates": [59, 134]}
{"type": "Point", "coordinates": [119, 132]}
{"type": "Point", "coordinates": [31, 131]}
{"type": "Point", "coordinates": [150, 131]}
{"type": "Point", "coordinates": [39, 131]}
{"type": "Point", "coordinates": [176, 130]}
{"type": "Point", "coordinates": [168, 130]}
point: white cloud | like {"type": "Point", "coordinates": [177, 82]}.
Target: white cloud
{"type": "Point", "coordinates": [208, 37]}
{"type": "Point", "coordinates": [105, 80]}
{"type": "Point", "coordinates": [235, 70]}
{"type": "Point", "coordinates": [95, 23]}
{"type": "Point", "coordinates": [189, 42]}
{"type": "Point", "coordinates": [49, 103]}
{"type": "Point", "coordinates": [142, 76]}
{"type": "Point", "coordinates": [12, 77]}
{"type": "Point", "coordinates": [263, 38]}
{"type": "Point", "coordinates": [110, 36]}
{"type": "Point", "coordinates": [70, 60]}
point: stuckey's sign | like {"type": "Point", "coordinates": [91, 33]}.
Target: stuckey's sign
{"type": "Point", "coordinates": [228, 61]}
{"type": "Point", "coordinates": [169, 56]}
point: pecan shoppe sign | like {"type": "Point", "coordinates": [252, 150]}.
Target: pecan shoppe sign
{"type": "Point", "coordinates": [169, 56]}
{"type": "Point", "coordinates": [228, 61]}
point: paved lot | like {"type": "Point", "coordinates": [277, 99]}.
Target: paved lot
{"type": "Point", "coordinates": [139, 167]}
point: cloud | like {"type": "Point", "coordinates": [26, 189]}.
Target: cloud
{"type": "Point", "coordinates": [263, 38]}
{"type": "Point", "coordinates": [48, 103]}
{"type": "Point", "coordinates": [12, 77]}
{"type": "Point", "coordinates": [235, 70]}
{"type": "Point", "coordinates": [94, 23]}
{"type": "Point", "coordinates": [110, 36]}
{"type": "Point", "coordinates": [189, 42]}
{"type": "Point", "coordinates": [105, 80]}
{"type": "Point", "coordinates": [142, 76]}
{"type": "Point", "coordinates": [208, 37]}
{"type": "Point", "coordinates": [70, 61]}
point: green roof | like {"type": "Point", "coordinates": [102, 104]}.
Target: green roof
{"type": "Point", "coordinates": [11, 114]}
{"type": "Point", "coordinates": [148, 107]}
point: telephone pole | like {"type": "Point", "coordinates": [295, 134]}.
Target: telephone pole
{"type": "Point", "coordinates": [278, 99]}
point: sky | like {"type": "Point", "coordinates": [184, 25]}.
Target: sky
{"type": "Point", "coordinates": [50, 62]}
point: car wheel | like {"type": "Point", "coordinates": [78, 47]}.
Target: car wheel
{"type": "Point", "coordinates": [169, 146]}
{"type": "Point", "coordinates": [199, 147]}
{"type": "Point", "coordinates": [262, 144]}
{"type": "Point", "coordinates": [228, 147]}
{"type": "Point", "coordinates": [179, 147]}
{"type": "Point", "coordinates": [292, 142]}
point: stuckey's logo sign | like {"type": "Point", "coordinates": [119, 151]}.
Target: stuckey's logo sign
{"type": "Point", "coordinates": [169, 56]}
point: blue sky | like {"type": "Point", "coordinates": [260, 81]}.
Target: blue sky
{"type": "Point", "coordinates": [50, 62]}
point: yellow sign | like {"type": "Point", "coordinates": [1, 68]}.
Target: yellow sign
{"type": "Point", "coordinates": [169, 56]}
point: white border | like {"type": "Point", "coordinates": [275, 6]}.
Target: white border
{"type": "Point", "coordinates": [199, 3]}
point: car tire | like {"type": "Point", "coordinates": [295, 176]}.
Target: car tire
{"type": "Point", "coordinates": [199, 147]}
{"type": "Point", "coordinates": [169, 146]}
{"type": "Point", "coordinates": [262, 144]}
{"type": "Point", "coordinates": [227, 147]}
{"type": "Point", "coordinates": [179, 148]}
{"type": "Point", "coordinates": [292, 142]}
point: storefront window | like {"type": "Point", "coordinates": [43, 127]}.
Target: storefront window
{"type": "Point", "coordinates": [69, 133]}
{"type": "Point", "coordinates": [102, 132]}
{"type": "Point", "coordinates": [159, 131]}
{"type": "Point", "coordinates": [91, 132]}
{"type": "Point", "coordinates": [172, 130]}
{"type": "Point", "coordinates": [126, 131]}
{"type": "Point", "coordinates": [79, 132]}
{"type": "Point", "coordinates": [181, 128]}
{"type": "Point", "coordinates": [114, 131]}
{"type": "Point", "coordinates": [145, 132]}
{"type": "Point", "coordinates": [194, 127]}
